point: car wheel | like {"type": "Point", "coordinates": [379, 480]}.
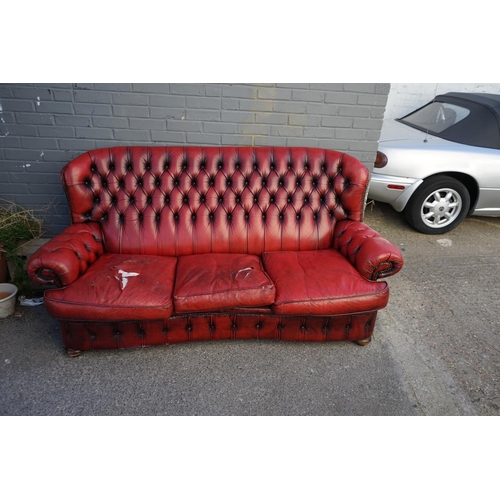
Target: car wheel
{"type": "Point", "coordinates": [439, 205]}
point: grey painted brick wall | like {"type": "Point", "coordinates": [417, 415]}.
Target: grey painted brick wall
{"type": "Point", "coordinates": [43, 126]}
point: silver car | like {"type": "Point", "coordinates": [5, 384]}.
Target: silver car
{"type": "Point", "coordinates": [441, 162]}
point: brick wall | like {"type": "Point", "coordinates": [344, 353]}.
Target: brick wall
{"type": "Point", "coordinates": [43, 126]}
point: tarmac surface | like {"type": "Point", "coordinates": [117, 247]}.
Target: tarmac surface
{"type": "Point", "coordinates": [435, 351]}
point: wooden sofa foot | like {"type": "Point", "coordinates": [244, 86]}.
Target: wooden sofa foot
{"type": "Point", "coordinates": [364, 341]}
{"type": "Point", "coordinates": [73, 353]}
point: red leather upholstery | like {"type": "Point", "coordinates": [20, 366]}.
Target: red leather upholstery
{"type": "Point", "coordinates": [321, 282]}
{"type": "Point", "coordinates": [373, 256]}
{"type": "Point", "coordinates": [214, 282]}
{"type": "Point", "coordinates": [104, 293]}
{"type": "Point", "coordinates": [174, 208]}
{"type": "Point", "coordinates": [67, 256]}
{"type": "Point", "coordinates": [187, 200]}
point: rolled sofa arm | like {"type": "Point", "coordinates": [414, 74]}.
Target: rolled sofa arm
{"type": "Point", "coordinates": [67, 256]}
{"type": "Point", "coordinates": [371, 254]}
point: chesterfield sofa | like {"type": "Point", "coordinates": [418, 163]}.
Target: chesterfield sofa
{"type": "Point", "coordinates": [179, 244]}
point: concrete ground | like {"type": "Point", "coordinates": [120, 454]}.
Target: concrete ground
{"type": "Point", "coordinates": [435, 351]}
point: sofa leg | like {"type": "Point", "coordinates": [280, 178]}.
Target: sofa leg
{"type": "Point", "coordinates": [73, 353]}
{"type": "Point", "coordinates": [364, 341]}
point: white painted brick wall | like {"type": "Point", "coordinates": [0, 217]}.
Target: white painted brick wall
{"type": "Point", "coordinates": [406, 97]}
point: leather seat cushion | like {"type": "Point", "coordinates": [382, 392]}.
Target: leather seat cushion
{"type": "Point", "coordinates": [214, 282]}
{"type": "Point", "coordinates": [321, 282]}
{"type": "Point", "coordinates": [104, 293]}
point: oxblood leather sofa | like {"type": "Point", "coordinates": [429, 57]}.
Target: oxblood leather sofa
{"type": "Point", "coordinates": [177, 244]}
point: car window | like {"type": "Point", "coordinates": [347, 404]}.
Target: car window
{"type": "Point", "coordinates": [436, 117]}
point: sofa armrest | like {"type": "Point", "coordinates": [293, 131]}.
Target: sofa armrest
{"type": "Point", "coordinates": [67, 256]}
{"type": "Point", "coordinates": [372, 255]}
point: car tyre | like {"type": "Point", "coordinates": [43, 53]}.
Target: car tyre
{"type": "Point", "coordinates": [439, 205]}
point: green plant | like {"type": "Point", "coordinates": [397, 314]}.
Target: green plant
{"type": "Point", "coordinates": [17, 226]}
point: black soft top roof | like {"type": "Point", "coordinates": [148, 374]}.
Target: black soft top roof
{"type": "Point", "coordinates": [481, 127]}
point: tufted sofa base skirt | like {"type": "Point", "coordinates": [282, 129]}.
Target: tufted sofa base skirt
{"type": "Point", "coordinates": [194, 328]}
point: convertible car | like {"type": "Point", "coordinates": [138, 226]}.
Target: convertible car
{"type": "Point", "coordinates": [441, 162]}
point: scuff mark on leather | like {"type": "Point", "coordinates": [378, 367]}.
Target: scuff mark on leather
{"type": "Point", "coordinates": [123, 279]}
{"type": "Point", "coordinates": [247, 269]}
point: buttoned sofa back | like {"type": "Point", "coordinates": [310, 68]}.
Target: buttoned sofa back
{"type": "Point", "coordinates": [175, 201]}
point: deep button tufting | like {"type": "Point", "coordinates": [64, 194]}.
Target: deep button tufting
{"type": "Point", "coordinates": [247, 182]}
{"type": "Point", "coordinates": [139, 182]}
{"type": "Point", "coordinates": [256, 198]}
{"type": "Point", "coordinates": [211, 216]}
{"type": "Point", "coordinates": [121, 182]}
{"type": "Point", "coordinates": [255, 165]}
{"type": "Point", "coordinates": [298, 216]}
{"type": "Point", "coordinates": [149, 200]}
{"type": "Point", "coordinates": [212, 327]}
{"type": "Point", "coordinates": [176, 216]}
{"type": "Point", "coordinates": [166, 165]}
{"type": "Point", "coordinates": [202, 198]}
{"type": "Point", "coordinates": [157, 216]}
{"type": "Point", "coordinates": [189, 328]}
{"type": "Point", "coordinates": [97, 200]}
{"type": "Point", "coordinates": [131, 199]}
{"type": "Point", "coordinates": [147, 166]}
{"type": "Point", "coordinates": [111, 166]}
{"type": "Point", "coordinates": [220, 199]}
{"type": "Point", "coordinates": [105, 183]}
{"type": "Point", "coordinates": [185, 199]}
{"type": "Point", "coordinates": [281, 182]}
{"type": "Point", "coordinates": [237, 165]}
{"type": "Point", "coordinates": [220, 164]}
{"type": "Point", "coordinates": [289, 199]}
{"type": "Point", "coordinates": [211, 181]}
{"type": "Point", "coordinates": [157, 182]}
{"type": "Point", "coordinates": [247, 215]}
{"type": "Point", "coordinates": [307, 165]}
{"type": "Point", "coordinates": [306, 199]}
{"type": "Point", "coordinates": [315, 215]}
{"type": "Point", "coordinates": [176, 182]}
{"type": "Point", "coordinates": [234, 326]}
{"type": "Point", "coordinates": [93, 168]}
{"type": "Point", "coordinates": [193, 216]}
{"type": "Point", "coordinates": [264, 181]}
{"type": "Point", "coordinates": [264, 215]}
{"type": "Point", "coordinates": [129, 166]}
{"type": "Point", "coordinates": [141, 216]}
{"type": "Point", "coordinates": [87, 182]}
{"type": "Point", "coordinates": [167, 199]}
{"type": "Point", "coordinates": [298, 183]}
{"type": "Point", "coordinates": [238, 198]}
{"type": "Point", "coordinates": [121, 217]}
{"type": "Point", "coordinates": [229, 216]}
{"type": "Point", "coordinates": [272, 198]}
